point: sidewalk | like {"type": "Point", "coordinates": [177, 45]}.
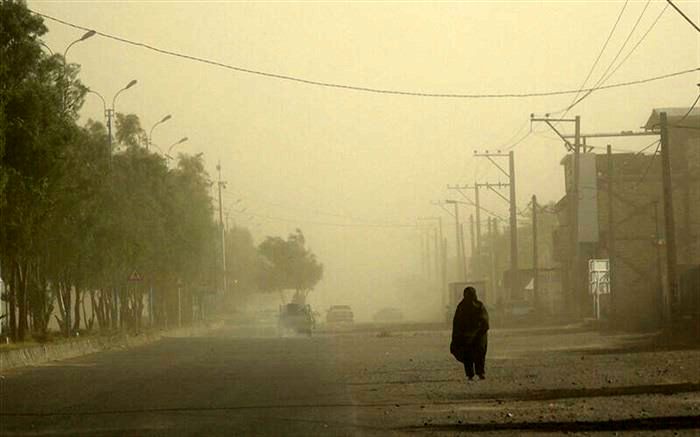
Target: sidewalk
{"type": "Point", "coordinates": [40, 353]}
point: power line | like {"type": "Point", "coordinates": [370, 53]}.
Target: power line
{"type": "Point", "coordinates": [602, 49]}
{"type": "Point", "coordinates": [360, 223]}
{"type": "Point", "coordinates": [605, 78]}
{"type": "Point", "coordinates": [359, 220]}
{"type": "Point", "coordinates": [683, 15]}
{"type": "Point", "coordinates": [653, 24]}
{"type": "Point", "coordinates": [341, 225]}
{"type": "Point", "coordinates": [354, 87]}
{"type": "Point", "coordinates": [690, 109]}
{"type": "Point", "coordinates": [646, 171]}
{"type": "Point", "coordinates": [624, 44]}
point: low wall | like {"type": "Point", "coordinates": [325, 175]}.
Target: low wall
{"type": "Point", "coordinates": [34, 355]}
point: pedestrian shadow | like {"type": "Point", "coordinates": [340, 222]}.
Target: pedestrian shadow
{"type": "Point", "coordinates": [572, 393]}
{"type": "Point", "coordinates": [647, 423]}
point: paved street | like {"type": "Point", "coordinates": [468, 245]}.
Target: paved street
{"type": "Point", "coordinates": [360, 383]}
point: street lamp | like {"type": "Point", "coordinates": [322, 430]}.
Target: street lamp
{"type": "Point", "coordinates": [150, 134]}
{"type": "Point", "coordinates": [182, 140]}
{"type": "Point", "coordinates": [109, 112]}
{"type": "Point", "coordinates": [86, 35]}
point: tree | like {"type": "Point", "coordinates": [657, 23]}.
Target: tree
{"type": "Point", "coordinates": [36, 132]}
{"type": "Point", "coordinates": [244, 264]}
{"type": "Point", "coordinates": [289, 265]}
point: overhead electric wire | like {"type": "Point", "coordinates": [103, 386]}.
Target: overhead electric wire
{"type": "Point", "coordinates": [683, 15]}
{"type": "Point", "coordinates": [311, 211]}
{"type": "Point", "coordinates": [354, 87]}
{"type": "Point", "coordinates": [690, 109]}
{"type": "Point", "coordinates": [602, 50]}
{"type": "Point", "coordinates": [359, 222]}
{"type": "Point", "coordinates": [624, 44]}
{"type": "Point", "coordinates": [653, 24]}
{"type": "Point", "coordinates": [605, 76]}
{"type": "Point", "coordinates": [341, 225]}
{"type": "Point", "coordinates": [646, 171]}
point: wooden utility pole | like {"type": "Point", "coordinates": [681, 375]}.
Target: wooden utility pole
{"type": "Point", "coordinates": [492, 258]}
{"type": "Point", "coordinates": [576, 268]}
{"type": "Point", "coordinates": [221, 185]}
{"type": "Point", "coordinates": [477, 207]}
{"type": "Point", "coordinates": [514, 283]}
{"type": "Point", "coordinates": [443, 293]}
{"type": "Point", "coordinates": [510, 174]}
{"type": "Point", "coordinates": [464, 253]}
{"type": "Point", "coordinates": [611, 236]}
{"type": "Point", "coordinates": [436, 255]}
{"type": "Point", "coordinates": [471, 235]}
{"type": "Point", "coordinates": [535, 263]}
{"type": "Point", "coordinates": [478, 218]}
{"type": "Point", "coordinates": [669, 220]}
{"type": "Point", "coordinates": [458, 246]}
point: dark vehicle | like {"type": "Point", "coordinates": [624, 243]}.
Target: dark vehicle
{"type": "Point", "coordinates": [388, 314]}
{"type": "Point", "coordinates": [339, 314]}
{"type": "Point", "coordinates": [296, 318]}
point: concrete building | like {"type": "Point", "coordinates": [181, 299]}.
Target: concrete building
{"type": "Point", "coordinates": [630, 185]}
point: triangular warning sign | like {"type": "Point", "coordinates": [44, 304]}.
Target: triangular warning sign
{"type": "Point", "coordinates": [135, 277]}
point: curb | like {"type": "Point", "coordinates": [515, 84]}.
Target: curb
{"type": "Point", "coordinates": [35, 355]}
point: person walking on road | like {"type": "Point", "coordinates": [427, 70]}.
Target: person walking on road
{"type": "Point", "coordinates": [469, 334]}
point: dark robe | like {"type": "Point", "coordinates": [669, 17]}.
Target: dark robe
{"type": "Point", "coordinates": [469, 335]}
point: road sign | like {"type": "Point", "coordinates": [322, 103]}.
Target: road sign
{"type": "Point", "coordinates": [135, 277]}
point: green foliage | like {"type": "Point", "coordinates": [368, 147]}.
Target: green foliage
{"type": "Point", "coordinates": [78, 219]}
{"type": "Point", "coordinates": [288, 265]}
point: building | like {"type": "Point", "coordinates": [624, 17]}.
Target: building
{"type": "Point", "coordinates": [621, 218]}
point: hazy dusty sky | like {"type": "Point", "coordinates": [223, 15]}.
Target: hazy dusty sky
{"type": "Point", "coordinates": [316, 156]}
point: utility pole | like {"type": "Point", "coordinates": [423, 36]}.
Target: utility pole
{"type": "Point", "coordinates": [464, 252]}
{"type": "Point", "coordinates": [477, 207]}
{"type": "Point", "coordinates": [492, 259]}
{"type": "Point", "coordinates": [423, 264]}
{"type": "Point", "coordinates": [439, 249]}
{"type": "Point", "coordinates": [471, 235]}
{"type": "Point", "coordinates": [578, 294]}
{"type": "Point", "coordinates": [222, 184]}
{"type": "Point", "coordinates": [514, 284]}
{"type": "Point", "coordinates": [669, 219]}
{"type": "Point", "coordinates": [459, 240]}
{"type": "Point", "coordinates": [611, 237]}
{"type": "Point", "coordinates": [513, 220]}
{"type": "Point", "coordinates": [436, 253]}
{"type": "Point", "coordinates": [535, 260]}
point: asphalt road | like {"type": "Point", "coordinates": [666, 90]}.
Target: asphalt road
{"type": "Point", "coordinates": [360, 383]}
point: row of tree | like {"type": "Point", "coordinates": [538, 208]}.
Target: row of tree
{"type": "Point", "coordinates": [79, 217]}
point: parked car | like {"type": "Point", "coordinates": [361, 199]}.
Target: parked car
{"type": "Point", "coordinates": [340, 314]}
{"type": "Point", "coordinates": [388, 314]}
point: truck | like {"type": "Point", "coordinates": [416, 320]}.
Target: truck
{"type": "Point", "coordinates": [296, 318]}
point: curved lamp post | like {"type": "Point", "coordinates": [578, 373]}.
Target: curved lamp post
{"type": "Point", "coordinates": [86, 35]}
{"type": "Point", "coordinates": [150, 133]}
{"type": "Point", "coordinates": [109, 112]}
{"type": "Point", "coordinates": [180, 141]}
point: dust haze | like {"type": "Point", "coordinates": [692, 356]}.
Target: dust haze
{"type": "Point", "coordinates": [344, 166]}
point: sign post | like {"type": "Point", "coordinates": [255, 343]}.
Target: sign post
{"type": "Point", "coordinates": [599, 281]}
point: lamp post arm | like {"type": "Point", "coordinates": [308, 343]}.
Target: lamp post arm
{"type": "Point", "coordinates": [114, 99]}
{"type": "Point", "coordinates": [104, 103]}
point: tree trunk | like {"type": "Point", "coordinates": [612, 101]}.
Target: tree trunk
{"type": "Point", "coordinates": [78, 300]}
{"type": "Point", "coordinates": [11, 296]}
{"type": "Point", "coordinates": [22, 302]}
